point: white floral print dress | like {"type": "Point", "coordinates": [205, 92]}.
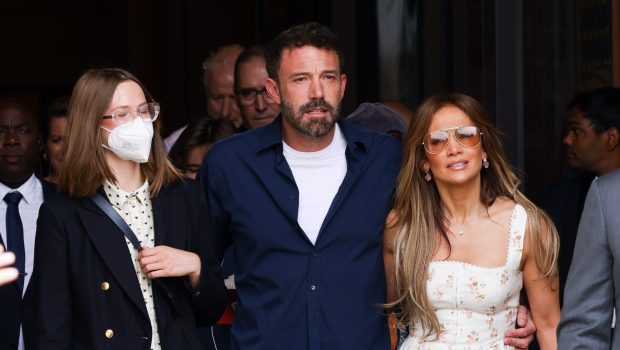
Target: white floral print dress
{"type": "Point", "coordinates": [475, 305]}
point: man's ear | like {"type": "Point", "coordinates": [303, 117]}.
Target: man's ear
{"type": "Point", "coordinates": [272, 89]}
{"type": "Point", "coordinates": [613, 137]}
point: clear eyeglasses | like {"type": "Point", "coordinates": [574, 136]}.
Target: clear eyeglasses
{"type": "Point", "coordinates": [247, 96]}
{"type": "Point", "coordinates": [147, 112]}
{"type": "Point", "coordinates": [466, 136]}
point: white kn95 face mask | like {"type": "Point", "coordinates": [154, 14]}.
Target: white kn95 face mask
{"type": "Point", "coordinates": [131, 141]}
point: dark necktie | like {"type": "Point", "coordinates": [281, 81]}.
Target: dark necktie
{"type": "Point", "coordinates": [15, 234]}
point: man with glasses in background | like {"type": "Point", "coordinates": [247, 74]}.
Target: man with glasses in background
{"type": "Point", "coordinates": [218, 81]}
{"type": "Point", "coordinates": [256, 106]}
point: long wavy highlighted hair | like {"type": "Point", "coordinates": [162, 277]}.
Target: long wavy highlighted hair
{"type": "Point", "coordinates": [421, 219]}
{"type": "Point", "coordinates": [85, 169]}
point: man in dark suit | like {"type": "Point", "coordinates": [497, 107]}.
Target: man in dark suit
{"type": "Point", "coordinates": [21, 194]}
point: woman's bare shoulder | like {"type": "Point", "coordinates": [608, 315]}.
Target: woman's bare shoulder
{"type": "Point", "coordinates": [502, 206]}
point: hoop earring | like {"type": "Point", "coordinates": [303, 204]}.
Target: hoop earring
{"type": "Point", "coordinates": [427, 175]}
{"type": "Point", "coordinates": [485, 163]}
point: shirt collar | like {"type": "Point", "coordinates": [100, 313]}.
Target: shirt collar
{"type": "Point", "coordinates": [271, 135]}
{"type": "Point", "coordinates": [28, 189]}
{"type": "Point", "coordinates": [118, 197]}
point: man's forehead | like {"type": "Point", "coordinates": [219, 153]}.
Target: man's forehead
{"type": "Point", "coordinates": [304, 54]}
{"type": "Point", "coordinates": [577, 116]}
{"type": "Point", "coordinates": [219, 78]}
{"type": "Point", "coordinates": [254, 62]}
{"type": "Point", "coordinates": [298, 49]}
{"type": "Point", "coordinates": [251, 72]}
{"type": "Point", "coordinates": [15, 116]}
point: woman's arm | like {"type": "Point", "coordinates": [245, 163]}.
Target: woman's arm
{"type": "Point", "coordinates": [543, 296]}
{"type": "Point", "coordinates": [389, 235]}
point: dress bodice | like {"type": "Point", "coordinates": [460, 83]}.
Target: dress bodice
{"type": "Point", "coordinates": [475, 305]}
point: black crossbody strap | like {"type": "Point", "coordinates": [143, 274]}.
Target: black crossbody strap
{"type": "Point", "coordinates": [186, 328]}
{"type": "Point", "coordinates": [104, 205]}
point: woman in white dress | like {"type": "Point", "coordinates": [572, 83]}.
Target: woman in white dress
{"type": "Point", "coordinates": [462, 240]}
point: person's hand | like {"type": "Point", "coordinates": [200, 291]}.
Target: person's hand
{"type": "Point", "coordinates": [8, 273]}
{"type": "Point", "coordinates": [164, 261]}
{"type": "Point", "coordinates": [523, 335]}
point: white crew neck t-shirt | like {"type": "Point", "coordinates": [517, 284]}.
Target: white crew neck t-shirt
{"type": "Point", "coordinates": [318, 176]}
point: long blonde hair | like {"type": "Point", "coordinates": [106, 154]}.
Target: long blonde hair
{"type": "Point", "coordinates": [420, 215]}
{"type": "Point", "coordinates": [84, 168]}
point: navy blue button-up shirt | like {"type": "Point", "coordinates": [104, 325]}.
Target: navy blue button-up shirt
{"type": "Point", "coordinates": [293, 294]}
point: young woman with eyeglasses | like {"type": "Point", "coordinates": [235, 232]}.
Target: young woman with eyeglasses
{"type": "Point", "coordinates": [96, 288]}
{"type": "Point", "coordinates": [462, 240]}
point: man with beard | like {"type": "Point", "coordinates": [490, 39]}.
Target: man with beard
{"type": "Point", "coordinates": [303, 202]}
{"type": "Point", "coordinates": [21, 195]}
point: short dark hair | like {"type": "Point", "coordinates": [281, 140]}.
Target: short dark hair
{"type": "Point", "coordinates": [307, 34]}
{"type": "Point", "coordinates": [21, 104]}
{"type": "Point", "coordinates": [601, 106]}
{"type": "Point", "coordinates": [59, 107]}
{"type": "Point", "coordinates": [200, 132]}
{"type": "Point", "coordinates": [246, 55]}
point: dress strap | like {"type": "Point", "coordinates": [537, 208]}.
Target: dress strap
{"type": "Point", "coordinates": [516, 236]}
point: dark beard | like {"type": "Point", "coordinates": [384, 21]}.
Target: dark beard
{"type": "Point", "coordinates": [315, 127]}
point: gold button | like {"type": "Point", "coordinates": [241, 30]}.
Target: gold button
{"type": "Point", "coordinates": [105, 286]}
{"type": "Point", "coordinates": [109, 333]}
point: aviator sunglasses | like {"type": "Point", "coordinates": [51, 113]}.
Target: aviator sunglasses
{"type": "Point", "coordinates": [466, 136]}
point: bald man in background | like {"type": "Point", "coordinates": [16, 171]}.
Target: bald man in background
{"type": "Point", "coordinates": [219, 83]}
{"type": "Point", "coordinates": [218, 79]}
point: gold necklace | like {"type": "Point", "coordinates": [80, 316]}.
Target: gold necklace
{"type": "Point", "coordinates": [460, 229]}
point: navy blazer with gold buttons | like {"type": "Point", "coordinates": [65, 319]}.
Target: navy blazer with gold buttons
{"type": "Point", "coordinates": [87, 295]}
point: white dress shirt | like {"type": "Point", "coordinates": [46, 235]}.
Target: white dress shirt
{"type": "Point", "coordinates": [32, 193]}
